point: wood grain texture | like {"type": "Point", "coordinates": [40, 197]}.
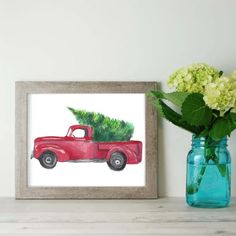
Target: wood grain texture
{"type": "Point", "coordinates": [113, 217]}
{"type": "Point", "coordinates": [23, 191]}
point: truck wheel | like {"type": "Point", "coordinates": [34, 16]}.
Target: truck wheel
{"type": "Point", "coordinates": [48, 160]}
{"type": "Point", "coordinates": [117, 161]}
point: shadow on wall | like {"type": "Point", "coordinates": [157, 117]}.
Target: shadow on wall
{"type": "Point", "coordinates": [161, 156]}
{"type": "Point", "coordinates": [161, 160]}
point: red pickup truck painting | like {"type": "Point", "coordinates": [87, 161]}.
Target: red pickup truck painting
{"type": "Point", "coordinates": [78, 145]}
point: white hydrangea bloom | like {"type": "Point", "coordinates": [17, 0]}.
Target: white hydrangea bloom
{"type": "Point", "coordinates": [221, 95]}
{"type": "Point", "coordinates": [233, 75]}
{"type": "Point", "coordinates": [233, 81]}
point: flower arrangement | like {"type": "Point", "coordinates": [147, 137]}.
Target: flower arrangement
{"type": "Point", "coordinates": [205, 99]}
{"type": "Point", "coordinates": [204, 103]}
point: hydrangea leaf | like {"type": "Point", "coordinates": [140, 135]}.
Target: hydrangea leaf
{"type": "Point", "coordinates": [204, 133]}
{"type": "Point", "coordinates": [221, 128]}
{"type": "Point", "coordinates": [174, 117]}
{"type": "Point", "coordinates": [232, 116]}
{"type": "Point", "coordinates": [195, 111]}
{"type": "Point", "coordinates": [177, 98]}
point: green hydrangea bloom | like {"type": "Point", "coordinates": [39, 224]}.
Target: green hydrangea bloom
{"type": "Point", "coordinates": [233, 75]}
{"type": "Point", "coordinates": [194, 78]}
{"type": "Point", "coordinates": [221, 95]}
{"type": "Point", "coordinates": [233, 81]}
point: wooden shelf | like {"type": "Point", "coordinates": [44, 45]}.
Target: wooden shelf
{"type": "Point", "coordinates": [166, 216]}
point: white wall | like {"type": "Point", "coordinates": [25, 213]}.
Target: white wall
{"type": "Point", "coordinates": [112, 40]}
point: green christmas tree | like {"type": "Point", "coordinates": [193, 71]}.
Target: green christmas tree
{"type": "Point", "coordinates": [106, 129]}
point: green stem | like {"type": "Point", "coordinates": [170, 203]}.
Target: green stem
{"type": "Point", "coordinates": [209, 154]}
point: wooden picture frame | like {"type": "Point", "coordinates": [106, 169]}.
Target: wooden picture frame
{"type": "Point", "coordinates": [24, 191]}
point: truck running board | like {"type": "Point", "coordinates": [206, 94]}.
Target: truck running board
{"type": "Point", "coordinates": [89, 160]}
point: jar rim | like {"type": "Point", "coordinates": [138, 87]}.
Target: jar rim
{"type": "Point", "coordinates": [206, 140]}
{"type": "Point", "coordinates": [194, 136]}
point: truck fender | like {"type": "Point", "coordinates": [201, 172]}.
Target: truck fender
{"type": "Point", "coordinates": [130, 155]}
{"type": "Point", "coordinates": [61, 154]}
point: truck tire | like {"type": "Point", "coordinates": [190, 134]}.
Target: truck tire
{"type": "Point", "coordinates": [117, 161]}
{"type": "Point", "coordinates": [48, 160]}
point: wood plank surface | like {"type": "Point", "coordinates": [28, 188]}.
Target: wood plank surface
{"type": "Point", "coordinates": [169, 216]}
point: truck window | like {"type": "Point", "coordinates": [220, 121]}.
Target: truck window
{"type": "Point", "coordinates": [79, 133]}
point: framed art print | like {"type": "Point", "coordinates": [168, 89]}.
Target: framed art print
{"type": "Point", "coordinates": [85, 140]}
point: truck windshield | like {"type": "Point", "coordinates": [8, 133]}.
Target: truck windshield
{"type": "Point", "coordinates": [68, 132]}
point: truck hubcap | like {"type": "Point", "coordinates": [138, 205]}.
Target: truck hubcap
{"type": "Point", "coordinates": [117, 162]}
{"type": "Point", "coordinates": [48, 160]}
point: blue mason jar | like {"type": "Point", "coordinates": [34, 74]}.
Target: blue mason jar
{"type": "Point", "coordinates": [208, 183]}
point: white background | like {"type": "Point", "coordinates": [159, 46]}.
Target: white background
{"type": "Point", "coordinates": [111, 40]}
{"type": "Point", "coordinates": [48, 116]}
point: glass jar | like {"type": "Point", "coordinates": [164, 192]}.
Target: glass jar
{"type": "Point", "coordinates": [208, 183]}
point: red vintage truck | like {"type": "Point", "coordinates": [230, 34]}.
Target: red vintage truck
{"type": "Point", "coordinates": [78, 145]}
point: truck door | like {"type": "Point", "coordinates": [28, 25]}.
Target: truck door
{"type": "Point", "coordinates": [80, 146]}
